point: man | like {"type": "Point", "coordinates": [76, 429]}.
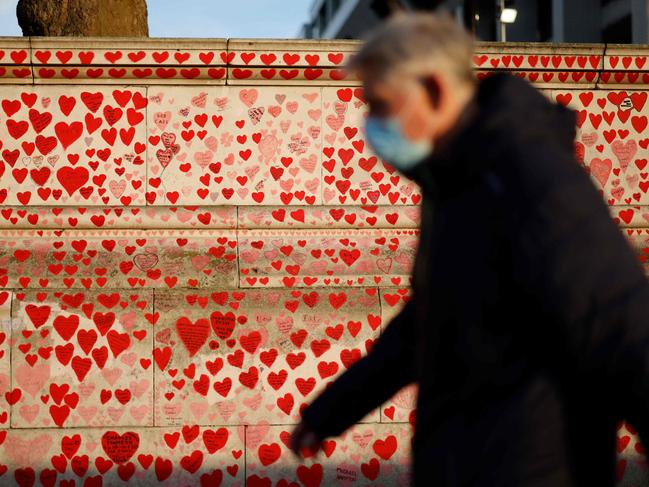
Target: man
{"type": "Point", "coordinates": [527, 331]}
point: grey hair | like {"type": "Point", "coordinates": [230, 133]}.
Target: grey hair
{"type": "Point", "coordinates": [416, 43]}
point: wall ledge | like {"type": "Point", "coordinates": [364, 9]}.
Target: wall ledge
{"type": "Point", "coordinates": [268, 61]}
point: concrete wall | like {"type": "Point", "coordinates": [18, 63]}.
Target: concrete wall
{"type": "Point", "coordinates": [195, 239]}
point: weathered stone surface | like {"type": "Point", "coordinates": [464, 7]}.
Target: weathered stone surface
{"type": "Point", "coordinates": [114, 18]}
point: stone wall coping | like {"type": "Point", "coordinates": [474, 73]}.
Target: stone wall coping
{"type": "Point", "coordinates": [277, 61]}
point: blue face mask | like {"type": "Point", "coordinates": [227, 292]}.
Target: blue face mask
{"type": "Point", "coordinates": [387, 140]}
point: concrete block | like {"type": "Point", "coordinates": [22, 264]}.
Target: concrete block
{"type": "Point", "coordinates": [305, 258]}
{"type": "Point", "coordinates": [72, 146]}
{"type": "Point", "coordinates": [611, 142]}
{"type": "Point", "coordinates": [82, 358]}
{"type": "Point", "coordinates": [375, 454]}
{"type": "Point", "coordinates": [255, 355]}
{"type": "Point", "coordinates": [234, 145]}
{"type": "Point", "coordinates": [108, 259]}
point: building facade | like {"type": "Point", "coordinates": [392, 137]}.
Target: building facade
{"type": "Point", "coordinates": [611, 21]}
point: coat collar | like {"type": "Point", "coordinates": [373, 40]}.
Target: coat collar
{"type": "Point", "coordinates": [503, 107]}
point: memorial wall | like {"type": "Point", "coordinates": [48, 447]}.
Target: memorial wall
{"type": "Point", "coordinates": [195, 238]}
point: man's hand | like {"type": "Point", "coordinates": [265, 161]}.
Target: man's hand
{"type": "Point", "coordinates": [302, 438]}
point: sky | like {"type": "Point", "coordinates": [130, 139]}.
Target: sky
{"type": "Point", "coordinates": [205, 18]}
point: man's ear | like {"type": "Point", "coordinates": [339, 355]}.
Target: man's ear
{"type": "Point", "coordinates": [432, 86]}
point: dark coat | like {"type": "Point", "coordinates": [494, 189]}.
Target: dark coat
{"type": "Point", "coordinates": [528, 327]}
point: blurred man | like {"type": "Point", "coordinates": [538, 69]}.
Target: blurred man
{"type": "Point", "coordinates": [528, 327]}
